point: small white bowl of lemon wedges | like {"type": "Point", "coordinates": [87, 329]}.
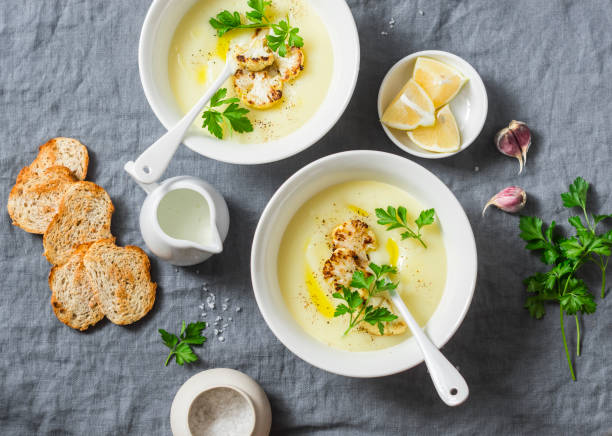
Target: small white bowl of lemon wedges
{"type": "Point", "coordinates": [432, 104]}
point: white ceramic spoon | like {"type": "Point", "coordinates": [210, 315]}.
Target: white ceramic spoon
{"type": "Point", "coordinates": [152, 163]}
{"type": "Point", "coordinates": [451, 386]}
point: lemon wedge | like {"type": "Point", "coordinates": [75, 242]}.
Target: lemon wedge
{"type": "Point", "coordinates": [442, 137]}
{"type": "Point", "coordinates": [440, 81]}
{"type": "Point", "coordinates": [411, 108]}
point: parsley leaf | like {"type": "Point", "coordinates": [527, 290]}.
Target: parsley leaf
{"type": "Point", "coordinates": [180, 346]}
{"type": "Point", "coordinates": [258, 12]}
{"type": "Point", "coordinates": [425, 218]}
{"type": "Point", "coordinates": [284, 36]}
{"type": "Point", "coordinates": [577, 195]}
{"type": "Point", "coordinates": [225, 21]}
{"type": "Point", "coordinates": [532, 231]}
{"type": "Point", "coordinates": [397, 219]}
{"type": "Point", "coordinates": [357, 306]}
{"type": "Point", "coordinates": [378, 316]}
{"type": "Point", "coordinates": [233, 114]}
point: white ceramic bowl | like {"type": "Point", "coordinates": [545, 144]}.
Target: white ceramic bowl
{"type": "Point", "coordinates": [157, 31]}
{"type": "Point", "coordinates": [470, 106]}
{"type": "Point", "coordinates": [360, 165]}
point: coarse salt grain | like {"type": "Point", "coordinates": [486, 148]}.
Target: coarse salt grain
{"type": "Point", "coordinates": [221, 411]}
{"type": "Point", "coordinates": [210, 301]}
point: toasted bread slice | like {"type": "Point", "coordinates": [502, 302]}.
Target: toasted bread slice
{"type": "Point", "coordinates": [84, 215]}
{"type": "Point", "coordinates": [121, 280]}
{"type": "Point", "coordinates": [72, 297]}
{"type": "Point", "coordinates": [35, 198]}
{"type": "Point", "coordinates": [67, 152]}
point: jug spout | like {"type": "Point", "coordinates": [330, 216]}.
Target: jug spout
{"type": "Point", "coordinates": [147, 187]}
{"type": "Point", "coordinates": [216, 245]}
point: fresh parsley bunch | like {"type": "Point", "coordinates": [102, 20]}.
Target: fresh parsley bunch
{"type": "Point", "coordinates": [180, 346]}
{"type": "Point", "coordinates": [566, 255]}
{"type": "Point", "coordinates": [357, 307]}
{"type": "Point", "coordinates": [233, 115]}
{"type": "Point", "coordinates": [397, 219]}
{"type": "Point", "coordinates": [283, 34]}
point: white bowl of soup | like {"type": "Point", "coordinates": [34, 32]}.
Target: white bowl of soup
{"type": "Point", "coordinates": [180, 55]}
{"type": "Point", "coordinates": [293, 244]}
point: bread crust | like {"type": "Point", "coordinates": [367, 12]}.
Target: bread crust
{"type": "Point", "coordinates": [74, 303]}
{"type": "Point", "coordinates": [53, 153]}
{"type": "Point", "coordinates": [35, 197]}
{"type": "Point", "coordinates": [123, 283]}
{"type": "Point", "coordinates": [74, 215]}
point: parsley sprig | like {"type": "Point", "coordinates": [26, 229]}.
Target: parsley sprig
{"type": "Point", "coordinates": [233, 115]}
{"type": "Point", "coordinates": [397, 219]}
{"type": "Point", "coordinates": [284, 35]}
{"type": "Point", "coordinates": [357, 307]}
{"type": "Point", "coordinates": [566, 255]}
{"type": "Point", "coordinates": [226, 20]}
{"type": "Point", "coordinates": [180, 346]}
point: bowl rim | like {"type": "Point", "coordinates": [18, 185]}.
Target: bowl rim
{"type": "Point", "coordinates": [287, 144]}
{"type": "Point", "coordinates": [275, 325]}
{"type": "Point", "coordinates": [479, 83]}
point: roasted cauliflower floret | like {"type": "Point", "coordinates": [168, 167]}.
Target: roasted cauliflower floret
{"type": "Point", "coordinates": [354, 235]}
{"type": "Point", "coordinates": [262, 72]}
{"type": "Point", "coordinates": [258, 89]}
{"type": "Point", "coordinates": [256, 56]}
{"type": "Point", "coordinates": [291, 65]}
{"type": "Point", "coordinates": [339, 268]}
{"type": "Point", "coordinates": [351, 242]}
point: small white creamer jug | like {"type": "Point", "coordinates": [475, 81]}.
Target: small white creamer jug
{"type": "Point", "coordinates": [183, 220]}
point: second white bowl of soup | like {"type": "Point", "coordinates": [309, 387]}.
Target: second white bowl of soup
{"type": "Point", "coordinates": [180, 55]}
{"type": "Point", "coordinates": [324, 223]}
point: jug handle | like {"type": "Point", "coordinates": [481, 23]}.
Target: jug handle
{"type": "Point", "coordinates": [129, 167]}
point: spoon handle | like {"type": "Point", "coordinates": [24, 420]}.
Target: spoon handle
{"type": "Point", "coordinates": [152, 163]}
{"type": "Point", "coordinates": [449, 383]}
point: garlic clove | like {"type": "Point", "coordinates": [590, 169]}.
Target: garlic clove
{"type": "Point", "coordinates": [523, 136]}
{"type": "Point", "coordinates": [511, 199]}
{"type": "Point", "coordinates": [506, 143]}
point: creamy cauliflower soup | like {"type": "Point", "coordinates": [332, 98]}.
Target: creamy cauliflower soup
{"type": "Point", "coordinates": [197, 56]}
{"type": "Point", "coordinates": [309, 257]}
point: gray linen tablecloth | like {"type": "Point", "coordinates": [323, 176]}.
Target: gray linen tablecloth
{"type": "Point", "coordinates": [69, 67]}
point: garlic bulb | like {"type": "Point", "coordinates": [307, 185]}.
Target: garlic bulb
{"type": "Point", "coordinates": [510, 199]}
{"type": "Point", "coordinates": [514, 141]}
